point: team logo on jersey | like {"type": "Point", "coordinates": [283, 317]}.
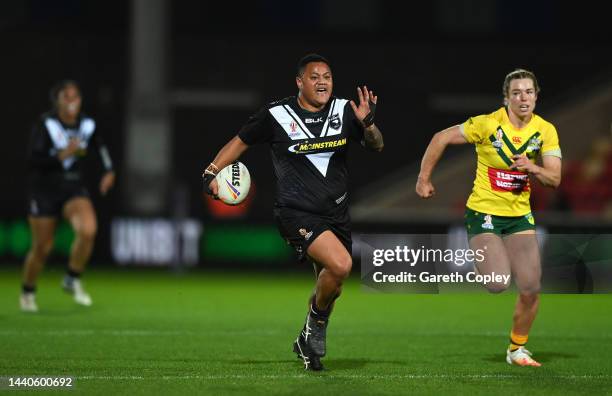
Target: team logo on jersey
{"type": "Point", "coordinates": [335, 122]}
{"type": "Point", "coordinates": [499, 135]}
{"type": "Point", "coordinates": [305, 234]}
{"type": "Point", "coordinates": [517, 140]}
{"type": "Point", "coordinates": [488, 222]}
{"type": "Point", "coordinates": [308, 148]}
{"type": "Point", "coordinates": [534, 144]}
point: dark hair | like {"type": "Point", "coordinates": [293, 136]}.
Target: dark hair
{"type": "Point", "coordinates": [59, 87]}
{"type": "Point", "coordinates": [517, 74]}
{"type": "Point", "coordinates": [309, 59]}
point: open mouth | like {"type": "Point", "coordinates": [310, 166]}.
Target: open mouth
{"type": "Point", "coordinates": [72, 107]}
{"type": "Point", "coordinates": [524, 107]}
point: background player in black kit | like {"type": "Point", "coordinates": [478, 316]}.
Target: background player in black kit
{"type": "Point", "coordinates": [309, 135]}
{"type": "Point", "coordinates": [60, 140]}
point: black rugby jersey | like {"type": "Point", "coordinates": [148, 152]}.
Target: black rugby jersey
{"type": "Point", "coordinates": [309, 151]}
{"type": "Point", "coordinates": [49, 136]}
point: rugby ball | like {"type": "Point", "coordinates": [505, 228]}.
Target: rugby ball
{"type": "Point", "coordinates": [234, 182]}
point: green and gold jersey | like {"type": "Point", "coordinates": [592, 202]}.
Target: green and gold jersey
{"type": "Point", "coordinates": [498, 190]}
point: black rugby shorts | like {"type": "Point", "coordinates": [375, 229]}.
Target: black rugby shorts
{"type": "Point", "coordinates": [50, 202]}
{"type": "Point", "coordinates": [300, 229]}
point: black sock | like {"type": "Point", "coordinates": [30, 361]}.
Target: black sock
{"type": "Point", "coordinates": [73, 274]}
{"type": "Point", "coordinates": [318, 313]}
{"type": "Point", "coordinates": [28, 289]}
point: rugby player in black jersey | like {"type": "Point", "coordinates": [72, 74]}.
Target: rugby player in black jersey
{"type": "Point", "coordinates": [309, 135]}
{"type": "Point", "coordinates": [60, 140]}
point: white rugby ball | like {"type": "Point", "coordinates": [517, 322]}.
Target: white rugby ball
{"type": "Point", "coordinates": [234, 182]}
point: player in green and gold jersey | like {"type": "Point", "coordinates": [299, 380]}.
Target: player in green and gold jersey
{"type": "Point", "coordinates": [498, 215]}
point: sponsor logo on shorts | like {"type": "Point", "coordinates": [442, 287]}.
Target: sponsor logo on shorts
{"type": "Point", "coordinates": [530, 219]}
{"type": "Point", "coordinates": [305, 233]}
{"type": "Point", "coordinates": [509, 181]}
{"type": "Point", "coordinates": [488, 222]}
{"type": "Point", "coordinates": [339, 200]}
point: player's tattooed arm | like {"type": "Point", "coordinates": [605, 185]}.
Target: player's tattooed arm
{"type": "Point", "coordinates": [372, 138]}
{"type": "Point", "coordinates": [365, 112]}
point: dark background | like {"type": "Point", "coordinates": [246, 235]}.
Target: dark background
{"type": "Point", "coordinates": [406, 53]}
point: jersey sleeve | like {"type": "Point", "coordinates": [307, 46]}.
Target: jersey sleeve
{"type": "Point", "coordinates": [102, 149]}
{"type": "Point", "coordinates": [474, 129]}
{"type": "Point", "coordinates": [41, 154]}
{"type": "Point", "coordinates": [257, 129]}
{"type": "Point", "coordinates": [550, 143]}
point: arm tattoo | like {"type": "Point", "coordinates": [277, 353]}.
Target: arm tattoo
{"type": "Point", "coordinates": [372, 138]}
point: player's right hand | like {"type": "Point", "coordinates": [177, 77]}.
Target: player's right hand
{"type": "Point", "coordinates": [424, 188]}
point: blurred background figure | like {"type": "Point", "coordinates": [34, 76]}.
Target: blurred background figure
{"type": "Point", "coordinates": [587, 181]}
{"type": "Point", "coordinates": [61, 139]}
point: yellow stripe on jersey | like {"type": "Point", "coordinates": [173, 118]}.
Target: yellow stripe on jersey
{"type": "Point", "coordinates": [498, 190]}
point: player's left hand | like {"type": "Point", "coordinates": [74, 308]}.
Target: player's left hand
{"type": "Point", "coordinates": [107, 182]}
{"type": "Point", "coordinates": [522, 163]}
{"type": "Point", "coordinates": [367, 103]}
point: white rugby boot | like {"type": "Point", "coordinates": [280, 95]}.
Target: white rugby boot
{"type": "Point", "coordinates": [27, 302]}
{"type": "Point", "coordinates": [521, 357]}
{"type": "Point", "coordinates": [75, 287]}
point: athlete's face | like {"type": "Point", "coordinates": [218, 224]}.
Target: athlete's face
{"type": "Point", "coordinates": [69, 101]}
{"type": "Point", "coordinates": [521, 97]}
{"type": "Point", "coordinates": [315, 84]}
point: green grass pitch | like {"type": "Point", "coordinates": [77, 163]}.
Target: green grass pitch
{"type": "Point", "coordinates": [152, 332]}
